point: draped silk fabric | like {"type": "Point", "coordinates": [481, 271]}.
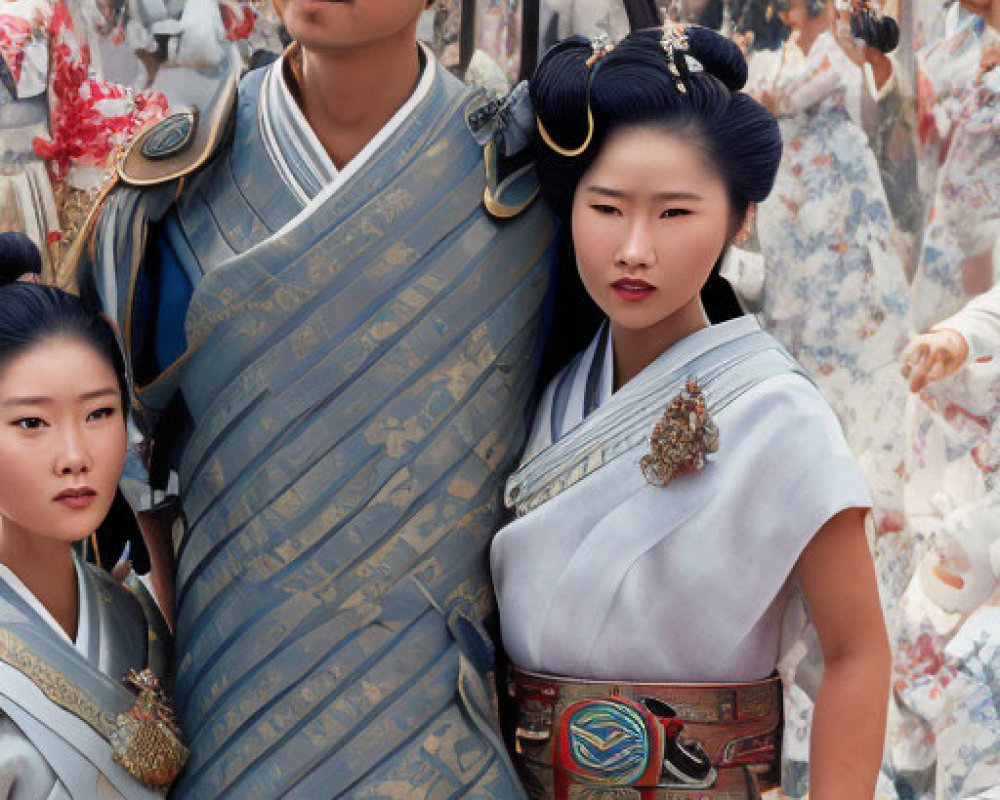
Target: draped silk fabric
{"type": "Point", "coordinates": [617, 579]}
{"type": "Point", "coordinates": [56, 703]}
{"type": "Point", "coordinates": [356, 387]}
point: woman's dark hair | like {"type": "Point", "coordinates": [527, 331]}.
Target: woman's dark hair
{"type": "Point", "coordinates": [761, 21]}
{"type": "Point", "coordinates": [813, 7]}
{"type": "Point", "coordinates": [31, 313]}
{"type": "Point", "coordinates": [875, 30]}
{"type": "Point", "coordinates": [633, 86]}
{"type": "Point", "coordinates": [18, 256]}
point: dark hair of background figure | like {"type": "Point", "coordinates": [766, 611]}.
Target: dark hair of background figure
{"type": "Point", "coordinates": [31, 314]}
{"type": "Point", "coordinates": [18, 256]}
{"type": "Point", "coordinates": [632, 86]}
{"type": "Point", "coordinates": [762, 20]}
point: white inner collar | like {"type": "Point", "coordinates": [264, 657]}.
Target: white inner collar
{"type": "Point", "coordinates": [82, 643]}
{"type": "Point", "coordinates": [297, 127]}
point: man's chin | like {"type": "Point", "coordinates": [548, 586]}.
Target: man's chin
{"type": "Point", "coordinates": [295, 13]}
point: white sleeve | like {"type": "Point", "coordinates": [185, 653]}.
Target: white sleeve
{"type": "Point", "coordinates": [978, 320]}
{"type": "Point", "coordinates": [810, 91]}
{"type": "Point", "coordinates": [806, 468]}
{"type": "Point", "coordinates": [24, 772]}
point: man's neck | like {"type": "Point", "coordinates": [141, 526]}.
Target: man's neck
{"type": "Point", "coordinates": [349, 95]}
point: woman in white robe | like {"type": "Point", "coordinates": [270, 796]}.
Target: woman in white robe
{"type": "Point", "coordinates": [946, 661]}
{"type": "Point", "coordinates": [835, 287]}
{"type": "Point", "coordinates": [639, 564]}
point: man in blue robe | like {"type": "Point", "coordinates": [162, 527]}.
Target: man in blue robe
{"type": "Point", "coordinates": [334, 344]}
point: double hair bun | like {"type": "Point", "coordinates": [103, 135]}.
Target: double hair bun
{"type": "Point", "coordinates": [876, 31]}
{"type": "Point", "coordinates": [719, 56]}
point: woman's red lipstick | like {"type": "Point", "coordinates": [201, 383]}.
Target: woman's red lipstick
{"type": "Point", "coordinates": [77, 497]}
{"type": "Point", "coordinates": [632, 289]}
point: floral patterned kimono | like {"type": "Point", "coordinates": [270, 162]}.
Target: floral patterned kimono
{"type": "Point", "coordinates": [58, 121]}
{"type": "Point", "coordinates": [946, 722]}
{"type": "Point", "coordinates": [835, 294]}
{"type": "Point", "coordinates": [946, 68]}
{"type": "Point", "coordinates": [835, 289]}
{"type": "Point", "coordinates": [26, 200]}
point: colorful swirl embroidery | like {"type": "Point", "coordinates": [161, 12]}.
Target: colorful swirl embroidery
{"type": "Point", "coordinates": [608, 743]}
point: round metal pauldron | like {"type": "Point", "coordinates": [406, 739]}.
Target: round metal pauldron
{"type": "Point", "coordinates": [172, 135]}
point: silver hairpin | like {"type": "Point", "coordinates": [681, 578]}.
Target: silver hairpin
{"type": "Point", "coordinates": [674, 43]}
{"type": "Point", "coordinates": [601, 45]}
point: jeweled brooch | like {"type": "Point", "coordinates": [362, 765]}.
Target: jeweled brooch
{"type": "Point", "coordinates": [682, 438]}
{"type": "Point", "coordinates": [147, 740]}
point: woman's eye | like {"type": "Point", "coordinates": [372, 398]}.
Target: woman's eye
{"type": "Point", "coordinates": [675, 212]}
{"type": "Point", "coordinates": [610, 211]}
{"type": "Point", "coordinates": [101, 413]}
{"type": "Point", "coordinates": [29, 423]}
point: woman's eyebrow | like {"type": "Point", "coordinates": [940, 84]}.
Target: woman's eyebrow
{"type": "Point", "coordinates": [607, 192]}
{"type": "Point", "coordinates": [107, 391]}
{"type": "Point", "coordinates": [619, 194]}
{"type": "Point", "coordinates": [40, 400]}
{"type": "Point", "coordinates": [26, 401]}
{"type": "Point", "coordinates": [678, 196]}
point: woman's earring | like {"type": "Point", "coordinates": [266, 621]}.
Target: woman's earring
{"type": "Point", "coordinates": [743, 235]}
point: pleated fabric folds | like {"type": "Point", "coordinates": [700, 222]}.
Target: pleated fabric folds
{"type": "Point", "coordinates": [357, 386]}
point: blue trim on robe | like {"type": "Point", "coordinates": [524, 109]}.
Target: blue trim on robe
{"type": "Point", "coordinates": [173, 296]}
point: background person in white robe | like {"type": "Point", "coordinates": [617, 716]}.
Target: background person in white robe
{"type": "Point", "coordinates": [694, 574]}
{"type": "Point", "coordinates": [948, 663]}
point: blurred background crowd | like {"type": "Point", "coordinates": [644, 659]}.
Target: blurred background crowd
{"type": "Point", "coordinates": [875, 261]}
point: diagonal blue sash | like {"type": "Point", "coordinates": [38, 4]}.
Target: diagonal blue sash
{"type": "Point", "coordinates": [724, 372]}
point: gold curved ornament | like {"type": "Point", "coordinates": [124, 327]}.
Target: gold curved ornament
{"type": "Point", "coordinates": [551, 144]}
{"type": "Point", "coordinates": [491, 200]}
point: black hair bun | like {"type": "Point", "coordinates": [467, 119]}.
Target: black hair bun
{"type": "Point", "coordinates": [18, 256]}
{"type": "Point", "coordinates": [578, 105]}
{"type": "Point", "coordinates": [720, 56]}
{"type": "Point", "coordinates": [882, 33]}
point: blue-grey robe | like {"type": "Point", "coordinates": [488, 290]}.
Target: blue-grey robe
{"type": "Point", "coordinates": [354, 390]}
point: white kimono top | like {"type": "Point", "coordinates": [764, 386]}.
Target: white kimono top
{"type": "Point", "coordinates": [618, 579]}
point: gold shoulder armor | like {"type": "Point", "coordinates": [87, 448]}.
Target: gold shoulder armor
{"type": "Point", "coordinates": [185, 139]}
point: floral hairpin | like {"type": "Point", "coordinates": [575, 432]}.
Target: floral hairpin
{"type": "Point", "coordinates": [675, 44]}
{"type": "Point", "coordinates": [601, 45]}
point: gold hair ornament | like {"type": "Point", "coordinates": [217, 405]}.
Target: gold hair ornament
{"type": "Point", "coordinates": [551, 144]}
{"type": "Point", "coordinates": [601, 46]}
